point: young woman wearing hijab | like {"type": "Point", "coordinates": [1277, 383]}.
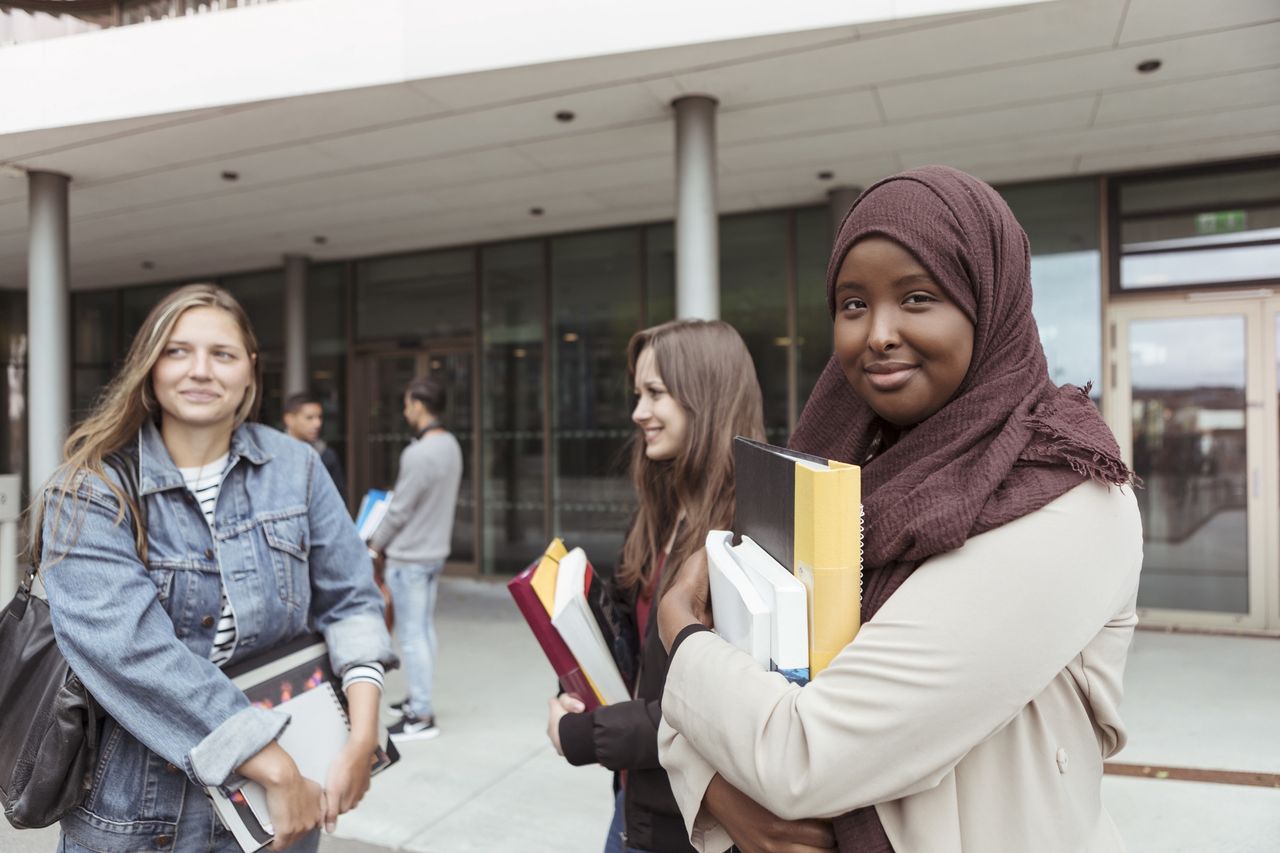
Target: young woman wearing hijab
{"type": "Point", "coordinates": [695, 389]}
{"type": "Point", "coordinates": [246, 546]}
{"type": "Point", "coordinates": [975, 707]}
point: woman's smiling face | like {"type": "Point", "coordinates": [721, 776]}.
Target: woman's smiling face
{"type": "Point", "coordinates": [905, 347]}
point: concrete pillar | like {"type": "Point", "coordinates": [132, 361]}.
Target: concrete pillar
{"type": "Point", "coordinates": [48, 324]}
{"type": "Point", "coordinates": [839, 200]}
{"type": "Point", "coordinates": [697, 223]}
{"type": "Point", "coordinates": [297, 377]}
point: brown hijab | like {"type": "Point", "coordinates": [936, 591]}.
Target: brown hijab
{"type": "Point", "coordinates": [1006, 444]}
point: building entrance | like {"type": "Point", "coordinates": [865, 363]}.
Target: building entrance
{"type": "Point", "coordinates": [379, 432]}
{"type": "Point", "coordinates": [1194, 404]}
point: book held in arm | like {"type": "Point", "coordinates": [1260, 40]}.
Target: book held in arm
{"type": "Point", "coordinates": [295, 678]}
{"type": "Point", "coordinates": [573, 619]}
{"type": "Point", "coordinates": [806, 513]}
{"type": "Point", "coordinates": [759, 606]}
{"type": "Point", "coordinates": [373, 508]}
{"type": "Point", "coordinates": [590, 642]}
{"type": "Point", "coordinates": [534, 591]}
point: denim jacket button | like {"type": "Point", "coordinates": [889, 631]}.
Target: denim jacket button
{"type": "Point", "coordinates": [208, 553]}
{"type": "Point", "coordinates": [171, 767]}
{"type": "Point", "coordinates": [207, 621]}
{"type": "Point", "coordinates": [162, 841]}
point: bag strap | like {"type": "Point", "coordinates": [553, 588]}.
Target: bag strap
{"type": "Point", "coordinates": [126, 463]}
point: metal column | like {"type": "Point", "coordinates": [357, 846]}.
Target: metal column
{"type": "Point", "coordinates": [48, 324]}
{"type": "Point", "coordinates": [296, 375]}
{"type": "Point", "coordinates": [697, 225]}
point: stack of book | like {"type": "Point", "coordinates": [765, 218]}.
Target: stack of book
{"type": "Point", "coordinates": [590, 643]}
{"type": "Point", "coordinates": [789, 593]}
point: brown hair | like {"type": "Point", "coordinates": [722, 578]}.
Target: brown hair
{"type": "Point", "coordinates": [708, 371]}
{"type": "Point", "coordinates": [130, 399]}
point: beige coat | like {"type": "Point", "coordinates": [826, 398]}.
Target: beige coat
{"type": "Point", "coordinates": [974, 711]}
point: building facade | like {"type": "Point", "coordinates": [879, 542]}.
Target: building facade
{"type": "Point", "coordinates": [510, 226]}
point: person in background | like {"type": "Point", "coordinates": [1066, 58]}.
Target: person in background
{"type": "Point", "coordinates": [695, 389]}
{"type": "Point", "coordinates": [412, 542]}
{"type": "Point", "coordinates": [976, 705]}
{"type": "Point", "coordinates": [303, 420]}
{"type": "Point", "coordinates": [246, 546]}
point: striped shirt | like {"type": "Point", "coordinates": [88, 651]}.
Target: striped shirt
{"type": "Point", "coordinates": [204, 482]}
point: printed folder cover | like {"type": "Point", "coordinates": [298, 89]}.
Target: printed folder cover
{"type": "Point", "coordinates": [296, 678]}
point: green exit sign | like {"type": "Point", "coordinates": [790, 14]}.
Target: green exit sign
{"type": "Point", "coordinates": [1221, 222]}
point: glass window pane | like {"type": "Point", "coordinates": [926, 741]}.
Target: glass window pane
{"type": "Point", "coordinates": [13, 381]}
{"type": "Point", "coordinates": [135, 304]}
{"type": "Point", "coordinates": [813, 319]}
{"type": "Point", "coordinates": [94, 326]}
{"type": "Point", "coordinates": [1209, 228]}
{"type": "Point", "coordinates": [261, 294]}
{"type": "Point", "coordinates": [1188, 378]}
{"type": "Point", "coordinates": [1230, 264]}
{"type": "Point", "coordinates": [660, 273]}
{"type": "Point", "coordinates": [327, 351]}
{"type": "Point", "coordinates": [1061, 221]}
{"type": "Point", "coordinates": [753, 298]}
{"type": "Point", "coordinates": [514, 282]}
{"type": "Point", "coordinates": [412, 298]}
{"type": "Point", "coordinates": [455, 367]}
{"type": "Point", "coordinates": [595, 308]}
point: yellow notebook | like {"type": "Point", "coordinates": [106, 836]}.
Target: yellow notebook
{"type": "Point", "coordinates": [828, 556]}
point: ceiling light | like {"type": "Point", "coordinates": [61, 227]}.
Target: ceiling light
{"type": "Point", "coordinates": [826, 175]}
{"type": "Point", "coordinates": [565, 116]}
{"type": "Point", "coordinates": [536, 211]}
{"type": "Point", "coordinates": [12, 170]}
{"type": "Point", "coordinates": [230, 176]}
{"type": "Point", "coordinates": [570, 337]}
{"type": "Point", "coordinates": [520, 352]}
{"type": "Point", "coordinates": [1147, 66]}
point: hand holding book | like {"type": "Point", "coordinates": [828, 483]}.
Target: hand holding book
{"type": "Point", "coordinates": [687, 601]}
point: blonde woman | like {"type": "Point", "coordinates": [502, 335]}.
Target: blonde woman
{"type": "Point", "coordinates": [246, 545]}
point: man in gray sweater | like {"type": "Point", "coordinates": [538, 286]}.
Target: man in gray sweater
{"type": "Point", "coordinates": [414, 540]}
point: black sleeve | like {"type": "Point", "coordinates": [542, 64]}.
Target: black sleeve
{"type": "Point", "coordinates": [622, 736]}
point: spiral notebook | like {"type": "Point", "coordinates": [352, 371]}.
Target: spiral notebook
{"type": "Point", "coordinates": [295, 678]}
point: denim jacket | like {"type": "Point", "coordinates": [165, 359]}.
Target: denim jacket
{"type": "Point", "coordinates": [139, 636]}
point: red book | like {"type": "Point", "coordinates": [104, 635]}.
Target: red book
{"type": "Point", "coordinates": [572, 679]}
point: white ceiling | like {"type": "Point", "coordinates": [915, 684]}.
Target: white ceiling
{"type": "Point", "coordinates": [1011, 94]}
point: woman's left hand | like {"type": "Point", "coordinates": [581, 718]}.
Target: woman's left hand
{"type": "Point", "coordinates": [348, 781]}
{"type": "Point", "coordinates": [557, 707]}
{"type": "Point", "coordinates": [687, 601]}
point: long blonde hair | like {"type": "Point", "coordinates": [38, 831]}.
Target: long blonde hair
{"type": "Point", "coordinates": [129, 400]}
{"type": "Point", "coordinates": [706, 368]}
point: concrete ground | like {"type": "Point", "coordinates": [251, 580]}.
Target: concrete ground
{"type": "Point", "coordinates": [492, 782]}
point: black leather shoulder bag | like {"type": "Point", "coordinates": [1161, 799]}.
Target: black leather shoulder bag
{"type": "Point", "coordinates": [49, 738]}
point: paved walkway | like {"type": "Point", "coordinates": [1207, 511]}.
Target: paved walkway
{"type": "Point", "coordinates": [492, 782]}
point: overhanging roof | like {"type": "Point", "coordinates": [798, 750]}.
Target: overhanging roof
{"type": "Point", "coordinates": [1010, 93]}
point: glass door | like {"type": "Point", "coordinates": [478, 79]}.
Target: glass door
{"type": "Point", "coordinates": [1189, 406]}
{"type": "Point", "coordinates": [379, 432]}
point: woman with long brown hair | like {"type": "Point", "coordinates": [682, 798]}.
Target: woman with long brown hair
{"type": "Point", "coordinates": [237, 542]}
{"type": "Point", "coordinates": [695, 388]}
